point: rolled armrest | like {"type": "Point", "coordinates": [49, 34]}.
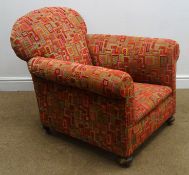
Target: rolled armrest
{"type": "Point", "coordinates": [103, 81]}
{"type": "Point", "coordinates": [133, 47]}
{"type": "Point", "coordinates": [150, 60]}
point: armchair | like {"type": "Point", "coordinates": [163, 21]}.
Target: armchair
{"type": "Point", "coordinates": [111, 91]}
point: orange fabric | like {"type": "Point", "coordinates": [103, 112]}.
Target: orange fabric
{"type": "Point", "coordinates": [108, 82]}
{"type": "Point", "coordinates": [147, 60]}
{"type": "Point", "coordinates": [55, 32]}
{"type": "Point", "coordinates": [147, 97]}
{"type": "Point", "coordinates": [97, 103]}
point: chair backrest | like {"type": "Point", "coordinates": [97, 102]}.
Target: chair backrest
{"type": "Point", "coordinates": [55, 32]}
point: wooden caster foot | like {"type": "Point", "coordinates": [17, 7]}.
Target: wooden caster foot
{"type": "Point", "coordinates": [125, 161]}
{"type": "Point", "coordinates": [47, 129]}
{"type": "Point", "coordinates": [170, 120]}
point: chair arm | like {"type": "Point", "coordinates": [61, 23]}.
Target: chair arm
{"type": "Point", "coordinates": [133, 47]}
{"type": "Point", "coordinates": [103, 81]}
{"type": "Point", "coordinates": [150, 60]}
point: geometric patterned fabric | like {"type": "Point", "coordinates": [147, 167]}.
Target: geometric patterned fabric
{"type": "Point", "coordinates": [96, 119]}
{"type": "Point", "coordinates": [147, 97]}
{"type": "Point", "coordinates": [51, 32]}
{"type": "Point", "coordinates": [91, 78]}
{"type": "Point", "coordinates": [111, 91]}
{"type": "Point", "coordinates": [147, 60]}
{"type": "Point", "coordinates": [107, 82]}
{"type": "Point", "coordinates": [138, 133]}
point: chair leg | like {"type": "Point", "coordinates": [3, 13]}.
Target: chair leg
{"type": "Point", "coordinates": [47, 129]}
{"type": "Point", "coordinates": [170, 120]}
{"type": "Point", "coordinates": [124, 161]}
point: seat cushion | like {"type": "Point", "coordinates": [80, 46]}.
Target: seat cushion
{"type": "Point", "coordinates": [147, 97]}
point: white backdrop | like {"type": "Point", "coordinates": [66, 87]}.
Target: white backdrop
{"type": "Point", "coordinates": [160, 18]}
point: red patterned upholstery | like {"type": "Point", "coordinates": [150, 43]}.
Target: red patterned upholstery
{"type": "Point", "coordinates": [139, 132]}
{"type": "Point", "coordinates": [103, 81]}
{"type": "Point", "coordinates": [147, 97]}
{"type": "Point", "coordinates": [51, 32]}
{"type": "Point", "coordinates": [94, 118]}
{"type": "Point", "coordinates": [97, 103]}
{"type": "Point", "coordinates": [150, 60]}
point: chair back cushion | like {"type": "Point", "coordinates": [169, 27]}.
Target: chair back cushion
{"type": "Point", "coordinates": [55, 32]}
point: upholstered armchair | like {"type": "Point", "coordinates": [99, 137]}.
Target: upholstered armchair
{"type": "Point", "coordinates": [111, 91]}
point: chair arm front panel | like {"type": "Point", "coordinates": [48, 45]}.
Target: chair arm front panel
{"type": "Point", "coordinates": [82, 114]}
{"type": "Point", "coordinates": [150, 60]}
{"type": "Point", "coordinates": [107, 82]}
